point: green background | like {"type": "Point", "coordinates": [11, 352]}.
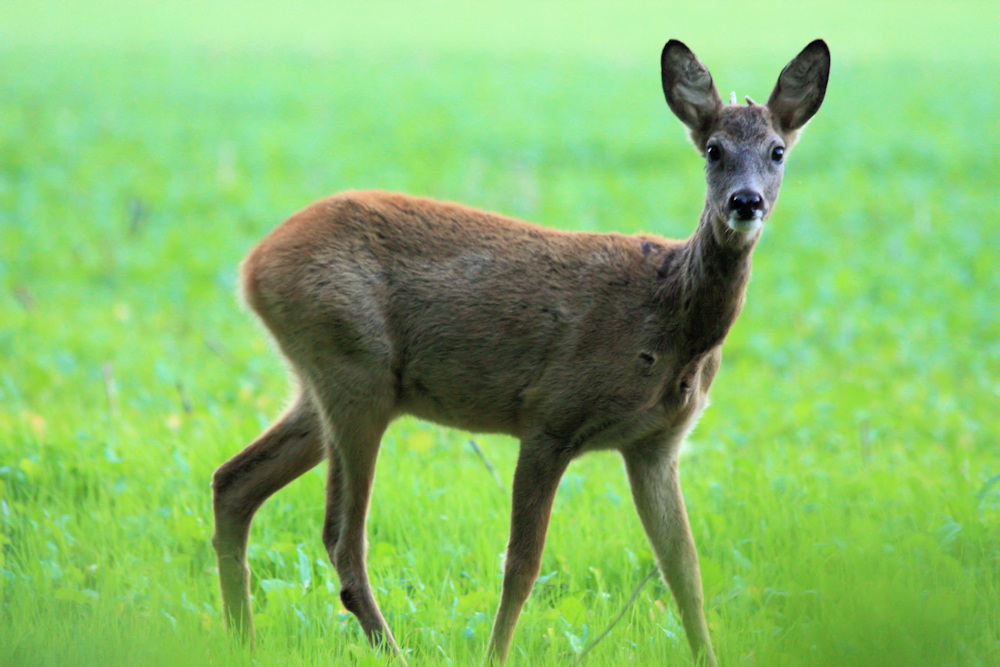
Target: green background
{"type": "Point", "coordinates": [843, 488]}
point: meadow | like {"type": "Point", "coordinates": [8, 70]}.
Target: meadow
{"type": "Point", "coordinates": [843, 489]}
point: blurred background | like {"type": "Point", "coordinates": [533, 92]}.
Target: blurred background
{"type": "Point", "coordinates": [844, 488]}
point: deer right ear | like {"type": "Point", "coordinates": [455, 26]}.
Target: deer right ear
{"type": "Point", "coordinates": [689, 90]}
{"type": "Point", "coordinates": [801, 87]}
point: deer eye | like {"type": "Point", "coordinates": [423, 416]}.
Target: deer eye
{"type": "Point", "coordinates": [777, 153]}
{"type": "Point", "coordinates": [714, 153]}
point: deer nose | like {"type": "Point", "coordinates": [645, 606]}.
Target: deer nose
{"type": "Point", "coordinates": [746, 204]}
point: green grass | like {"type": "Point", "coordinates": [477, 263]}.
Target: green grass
{"type": "Point", "coordinates": [843, 488]}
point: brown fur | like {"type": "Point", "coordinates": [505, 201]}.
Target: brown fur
{"type": "Point", "coordinates": [386, 304]}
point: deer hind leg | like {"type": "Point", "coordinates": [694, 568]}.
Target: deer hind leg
{"type": "Point", "coordinates": [289, 448]}
{"type": "Point", "coordinates": [334, 494]}
{"type": "Point", "coordinates": [356, 411]}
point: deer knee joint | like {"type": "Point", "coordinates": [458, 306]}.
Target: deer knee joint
{"type": "Point", "coordinates": [520, 575]}
{"type": "Point", "coordinates": [223, 488]}
{"type": "Point", "coordinates": [351, 599]}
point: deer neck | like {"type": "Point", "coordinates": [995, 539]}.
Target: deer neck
{"type": "Point", "coordinates": [713, 270]}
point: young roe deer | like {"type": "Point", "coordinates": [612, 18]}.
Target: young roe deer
{"type": "Point", "coordinates": [386, 304]}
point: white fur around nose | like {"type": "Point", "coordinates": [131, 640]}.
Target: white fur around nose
{"type": "Point", "coordinates": [738, 224]}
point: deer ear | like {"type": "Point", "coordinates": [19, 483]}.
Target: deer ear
{"type": "Point", "coordinates": [688, 87]}
{"type": "Point", "coordinates": [801, 87]}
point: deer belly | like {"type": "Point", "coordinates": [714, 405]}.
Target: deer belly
{"type": "Point", "coordinates": [467, 401]}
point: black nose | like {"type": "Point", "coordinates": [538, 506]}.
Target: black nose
{"type": "Point", "coordinates": [746, 203]}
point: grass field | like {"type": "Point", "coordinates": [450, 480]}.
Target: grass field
{"type": "Point", "coordinates": [844, 488]}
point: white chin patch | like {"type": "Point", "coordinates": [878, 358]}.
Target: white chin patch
{"type": "Point", "coordinates": [738, 224]}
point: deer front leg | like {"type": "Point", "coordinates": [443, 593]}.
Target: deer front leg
{"type": "Point", "coordinates": [656, 488]}
{"type": "Point", "coordinates": [536, 477]}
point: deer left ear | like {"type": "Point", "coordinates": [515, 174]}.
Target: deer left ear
{"type": "Point", "coordinates": [801, 87]}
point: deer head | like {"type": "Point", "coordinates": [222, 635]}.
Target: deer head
{"type": "Point", "coordinates": [744, 146]}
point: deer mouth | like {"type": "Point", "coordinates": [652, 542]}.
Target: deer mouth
{"type": "Point", "coordinates": [744, 225]}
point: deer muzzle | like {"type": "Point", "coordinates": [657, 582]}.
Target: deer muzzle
{"type": "Point", "coordinates": [746, 210]}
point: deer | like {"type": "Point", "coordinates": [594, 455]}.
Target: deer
{"type": "Point", "coordinates": [386, 304]}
